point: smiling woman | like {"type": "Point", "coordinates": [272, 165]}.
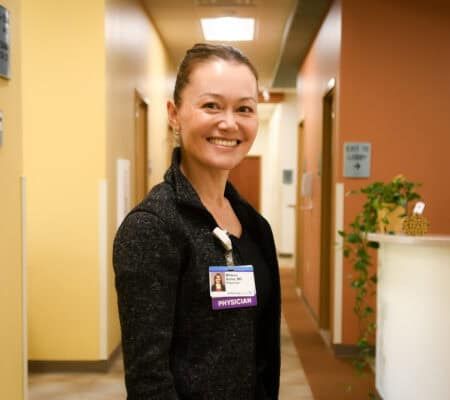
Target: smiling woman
{"type": "Point", "coordinates": [180, 340]}
{"type": "Point", "coordinates": [217, 116]}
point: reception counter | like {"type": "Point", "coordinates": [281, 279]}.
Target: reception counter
{"type": "Point", "coordinates": [413, 317]}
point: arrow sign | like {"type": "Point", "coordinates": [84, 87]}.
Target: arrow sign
{"type": "Point", "coordinates": [357, 158]}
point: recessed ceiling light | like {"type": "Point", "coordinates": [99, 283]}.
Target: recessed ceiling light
{"type": "Point", "coordinates": [228, 29]}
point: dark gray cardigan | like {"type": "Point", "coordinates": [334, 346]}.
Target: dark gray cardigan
{"type": "Point", "coordinates": [175, 346]}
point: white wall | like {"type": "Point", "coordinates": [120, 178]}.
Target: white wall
{"type": "Point", "coordinates": [288, 161]}
{"type": "Point", "coordinates": [276, 143]}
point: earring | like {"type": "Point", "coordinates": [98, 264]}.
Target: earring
{"type": "Point", "coordinates": [176, 136]}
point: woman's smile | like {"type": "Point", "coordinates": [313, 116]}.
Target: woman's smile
{"type": "Point", "coordinates": [230, 143]}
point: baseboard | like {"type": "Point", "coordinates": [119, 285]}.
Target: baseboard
{"type": "Point", "coordinates": [311, 312]}
{"type": "Point", "coordinates": [74, 366]}
{"type": "Point", "coordinates": [326, 337]}
{"type": "Point", "coordinates": [345, 350]}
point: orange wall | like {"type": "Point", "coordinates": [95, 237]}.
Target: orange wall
{"type": "Point", "coordinates": [391, 64]}
{"type": "Point", "coordinates": [321, 64]}
{"type": "Point", "coordinates": [395, 93]}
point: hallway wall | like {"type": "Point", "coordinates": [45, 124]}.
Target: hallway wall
{"type": "Point", "coordinates": [79, 88]}
{"type": "Point", "coordinates": [64, 161]}
{"type": "Point", "coordinates": [287, 131]}
{"type": "Point", "coordinates": [390, 63]}
{"type": "Point", "coordinates": [321, 65]}
{"type": "Point", "coordinates": [395, 94]}
{"type": "Point", "coordinates": [276, 144]}
{"type": "Point", "coordinates": [11, 337]}
{"type": "Point", "coordinates": [135, 60]}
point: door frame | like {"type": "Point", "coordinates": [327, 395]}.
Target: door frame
{"type": "Point", "coordinates": [327, 211]}
{"type": "Point", "coordinates": [140, 151]}
{"type": "Point", "coordinates": [300, 217]}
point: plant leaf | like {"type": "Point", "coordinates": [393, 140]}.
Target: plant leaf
{"type": "Point", "coordinates": [354, 238]}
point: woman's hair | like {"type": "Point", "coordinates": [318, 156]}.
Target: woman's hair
{"type": "Point", "coordinates": [218, 276]}
{"type": "Point", "coordinates": [202, 52]}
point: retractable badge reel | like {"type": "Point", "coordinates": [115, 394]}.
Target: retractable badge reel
{"type": "Point", "coordinates": [232, 286]}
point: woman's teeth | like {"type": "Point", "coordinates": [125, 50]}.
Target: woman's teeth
{"type": "Point", "coordinates": [223, 142]}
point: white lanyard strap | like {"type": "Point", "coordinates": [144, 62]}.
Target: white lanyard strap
{"type": "Point", "coordinates": [226, 243]}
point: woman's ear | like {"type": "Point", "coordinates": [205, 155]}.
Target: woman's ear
{"type": "Point", "coordinates": [172, 114]}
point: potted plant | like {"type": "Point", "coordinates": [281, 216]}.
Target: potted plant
{"type": "Point", "coordinates": [383, 201]}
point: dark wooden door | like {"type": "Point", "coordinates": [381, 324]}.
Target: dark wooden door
{"type": "Point", "coordinates": [246, 178]}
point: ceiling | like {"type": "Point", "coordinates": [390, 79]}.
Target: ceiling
{"type": "Point", "coordinates": [284, 31]}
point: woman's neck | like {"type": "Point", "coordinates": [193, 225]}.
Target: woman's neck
{"type": "Point", "coordinates": [208, 183]}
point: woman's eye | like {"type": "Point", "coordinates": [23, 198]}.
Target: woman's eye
{"type": "Point", "coordinates": [245, 109]}
{"type": "Point", "coordinates": [211, 106]}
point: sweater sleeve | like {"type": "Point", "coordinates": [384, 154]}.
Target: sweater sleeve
{"type": "Point", "coordinates": [146, 264]}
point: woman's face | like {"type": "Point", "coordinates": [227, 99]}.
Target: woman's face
{"type": "Point", "coordinates": [217, 117]}
{"type": "Point", "coordinates": [218, 279]}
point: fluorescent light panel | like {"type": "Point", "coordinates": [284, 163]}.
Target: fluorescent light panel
{"type": "Point", "coordinates": [228, 29]}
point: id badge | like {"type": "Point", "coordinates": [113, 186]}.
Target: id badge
{"type": "Point", "coordinates": [232, 287]}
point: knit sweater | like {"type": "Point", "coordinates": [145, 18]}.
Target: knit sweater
{"type": "Point", "coordinates": [175, 346]}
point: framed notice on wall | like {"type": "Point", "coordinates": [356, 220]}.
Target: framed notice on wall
{"type": "Point", "coordinates": [4, 43]}
{"type": "Point", "coordinates": [357, 159]}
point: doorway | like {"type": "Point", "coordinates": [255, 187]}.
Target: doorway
{"type": "Point", "coordinates": [246, 178]}
{"type": "Point", "coordinates": [140, 149]}
{"type": "Point", "coordinates": [327, 201]}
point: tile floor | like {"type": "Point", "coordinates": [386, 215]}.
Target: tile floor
{"type": "Point", "coordinates": [109, 386]}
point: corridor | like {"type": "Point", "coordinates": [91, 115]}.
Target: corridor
{"type": "Point", "coordinates": [348, 95]}
{"type": "Point", "coordinates": [330, 379]}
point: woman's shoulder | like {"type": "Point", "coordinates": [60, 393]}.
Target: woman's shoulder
{"type": "Point", "coordinates": [157, 208]}
{"type": "Point", "coordinates": [160, 196]}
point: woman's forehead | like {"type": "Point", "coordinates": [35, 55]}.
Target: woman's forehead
{"type": "Point", "coordinates": [216, 75]}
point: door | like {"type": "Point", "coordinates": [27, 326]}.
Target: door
{"type": "Point", "coordinates": [327, 201]}
{"type": "Point", "coordinates": [141, 150]}
{"type": "Point", "coordinates": [246, 178]}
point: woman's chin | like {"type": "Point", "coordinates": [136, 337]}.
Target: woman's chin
{"type": "Point", "coordinates": [223, 162]}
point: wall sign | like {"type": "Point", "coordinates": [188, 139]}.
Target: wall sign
{"type": "Point", "coordinates": [4, 42]}
{"type": "Point", "coordinates": [357, 157]}
{"type": "Point", "coordinates": [288, 176]}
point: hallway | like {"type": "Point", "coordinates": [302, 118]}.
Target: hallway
{"type": "Point", "coordinates": [309, 371]}
{"type": "Point", "coordinates": [351, 94]}
{"type": "Point", "coordinates": [109, 386]}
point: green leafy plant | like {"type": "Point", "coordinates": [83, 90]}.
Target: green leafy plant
{"type": "Point", "coordinates": [379, 196]}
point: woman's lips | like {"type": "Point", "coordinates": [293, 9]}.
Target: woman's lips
{"type": "Point", "coordinates": [224, 142]}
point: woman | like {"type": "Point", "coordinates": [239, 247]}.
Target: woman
{"type": "Point", "coordinates": [175, 345]}
{"type": "Point", "coordinates": [218, 285]}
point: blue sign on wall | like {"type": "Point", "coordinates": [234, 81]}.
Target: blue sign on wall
{"type": "Point", "coordinates": [4, 43]}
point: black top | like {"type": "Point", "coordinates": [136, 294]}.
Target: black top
{"type": "Point", "coordinates": [175, 346]}
{"type": "Point", "coordinates": [247, 252]}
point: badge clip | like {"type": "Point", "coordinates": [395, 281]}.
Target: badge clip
{"type": "Point", "coordinates": [226, 243]}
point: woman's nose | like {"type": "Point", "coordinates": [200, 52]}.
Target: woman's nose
{"type": "Point", "coordinates": [228, 121]}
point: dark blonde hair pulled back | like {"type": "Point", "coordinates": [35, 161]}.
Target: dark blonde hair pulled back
{"type": "Point", "coordinates": [200, 53]}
